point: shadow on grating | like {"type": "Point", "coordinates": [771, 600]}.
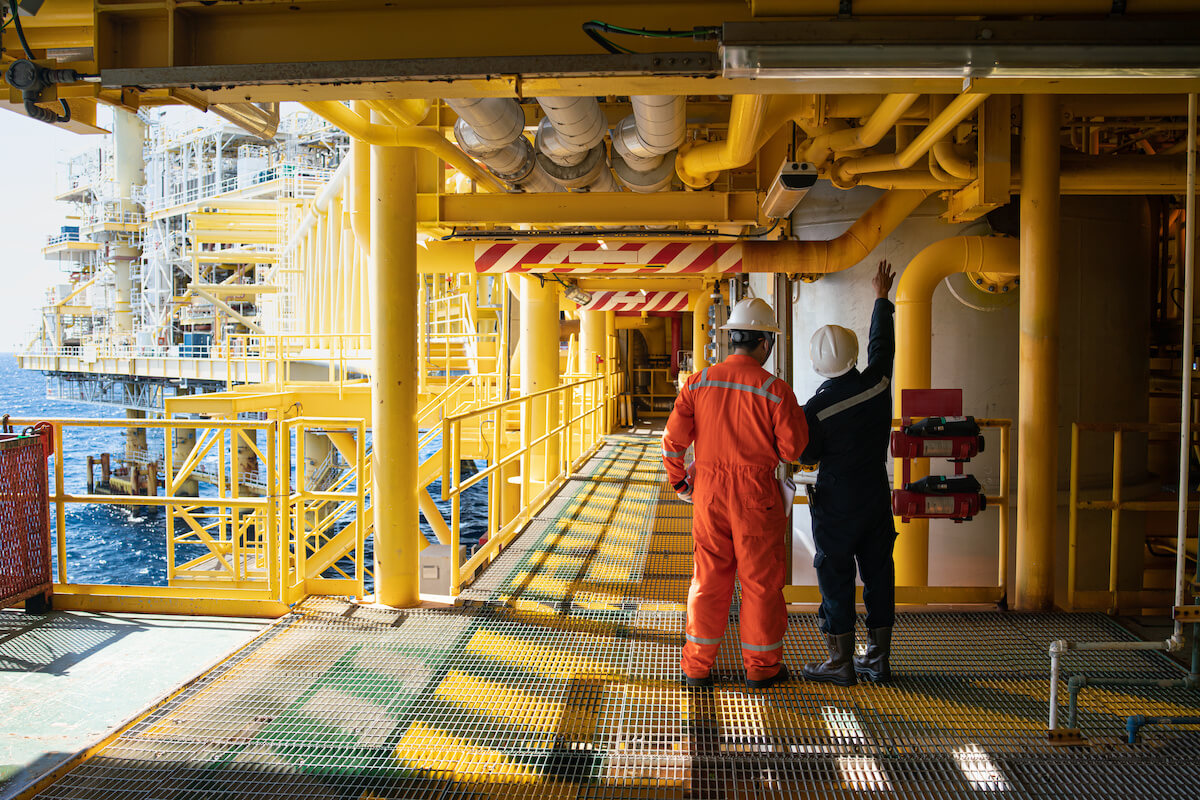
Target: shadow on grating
{"type": "Point", "coordinates": [559, 679]}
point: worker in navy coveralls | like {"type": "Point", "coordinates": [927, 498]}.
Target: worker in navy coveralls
{"type": "Point", "coordinates": [849, 424]}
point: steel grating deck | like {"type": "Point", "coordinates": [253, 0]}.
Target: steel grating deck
{"type": "Point", "coordinates": [558, 679]}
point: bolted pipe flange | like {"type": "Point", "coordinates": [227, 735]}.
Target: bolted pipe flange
{"type": "Point", "coordinates": [654, 179]}
{"type": "Point", "coordinates": [575, 176]}
{"type": "Point", "coordinates": [692, 181]}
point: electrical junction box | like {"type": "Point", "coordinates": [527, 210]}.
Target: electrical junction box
{"type": "Point", "coordinates": [435, 568]}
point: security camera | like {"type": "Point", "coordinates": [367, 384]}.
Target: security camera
{"type": "Point", "coordinates": [791, 183]}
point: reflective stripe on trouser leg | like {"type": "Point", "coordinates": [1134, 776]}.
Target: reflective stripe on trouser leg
{"type": "Point", "coordinates": [711, 590]}
{"type": "Point", "coordinates": [759, 538]}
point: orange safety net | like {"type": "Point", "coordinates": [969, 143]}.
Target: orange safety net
{"type": "Point", "coordinates": [24, 519]}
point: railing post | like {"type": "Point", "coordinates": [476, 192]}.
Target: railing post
{"type": "Point", "coordinates": [300, 523]}
{"type": "Point", "coordinates": [1115, 536]}
{"type": "Point", "coordinates": [60, 509]}
{"type": "Point", "coordinates": [276, 545]}
{"type": "Point", "coordinates": [1073, 518]}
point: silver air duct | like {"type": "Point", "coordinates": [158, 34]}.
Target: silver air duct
{"type": "Point", "coordinates": [570, 144]}
{"type": "Point", "coordinates": [642, 141]}
{"type": "Point", "coordinates": [490, 129]}
{"type": "Point", "coordinates": [514, 163]}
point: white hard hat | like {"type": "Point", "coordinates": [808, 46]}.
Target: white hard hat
{"type": "Point", "coordinates": [834, 351]}
{"type": "Point", "coordinates": [751, 314]}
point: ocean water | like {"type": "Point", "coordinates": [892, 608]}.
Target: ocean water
{"type": "Point", "coordinates": [115, 545]}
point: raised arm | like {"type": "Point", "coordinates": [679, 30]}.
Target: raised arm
{"type": "Point", "coordinates": [881, 347]}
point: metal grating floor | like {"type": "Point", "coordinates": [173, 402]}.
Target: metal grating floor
{"type": "Point", "coordinates": [558, 679]}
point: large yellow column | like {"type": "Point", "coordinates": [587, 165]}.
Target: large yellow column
{"type": "Point", "coordinates": [700, 303]}
{"type": "Point", "coordinates": [539, 370]}
{"type": "Point", "coordinates": [1037, 418]}
{"type": "Point", "coordinates": [393, 280]}
{"type": "Point", "coordinates": [592, 332]}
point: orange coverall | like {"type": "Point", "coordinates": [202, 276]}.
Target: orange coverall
{"type": "Point", "coordinates": [743, 422]}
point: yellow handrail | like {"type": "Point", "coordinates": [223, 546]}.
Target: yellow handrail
{"type": "Point", "coordinates": [1112, 597]}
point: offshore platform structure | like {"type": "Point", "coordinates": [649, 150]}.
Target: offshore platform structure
{"type": "Point", "coordinates": [420, 239]}
{"type": "Point", "coordinates": [498, 235]}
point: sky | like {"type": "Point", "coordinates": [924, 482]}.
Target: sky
{"type": "Point", "coordinates": [30, 152]}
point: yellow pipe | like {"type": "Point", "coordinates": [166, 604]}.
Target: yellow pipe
{"type": "Point", "coordinates": [539, 371]}
{"type": "Point", "coordinates": [890, 109]}
{"type": "Point", "coordinates": [941, 125]}
{"type": "Point", "coordinates": [591, 341]}
{"type": "Point", "coordinates": [952, 162]}
{"type": "Point", "coordinates": [834, 255]}
{"type": "Point", "coordinates": [393, 277]}
{"type": "Point", "coordinates": [359, 196]}
{"type": "Point", "coordinates": [427, 139]}
{"type": "Point", "coordinates": [700, 303]}
{"type": "Point", "coordinates": [1037, 417]}
{"type": "Point", "coordinates": [914, 332]}
{"type": "Point", "coordinates": [699, 164]}
{"type": "Point", "coordinates": [404, 113]}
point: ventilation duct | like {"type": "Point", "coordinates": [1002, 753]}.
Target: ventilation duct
{"type": "Point", "coordinates": [513, 162]}
{"type": "Point", "coordinates": [570, 144]}
{"type": "Point", "coordinates": [643, 140]}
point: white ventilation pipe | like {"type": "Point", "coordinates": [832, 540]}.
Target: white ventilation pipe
{"type": "Point", "coordinates": [513, 162]}
{"type": "Point", "coordinates": [496, 121]}
{"type": "Point", "coordinates": [642, 141]}
{"type": "Point", "coordinates": [578, 125]}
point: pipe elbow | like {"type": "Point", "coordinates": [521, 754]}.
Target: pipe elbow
{"type": "Point", "coordinates": [698, 164]}
{"type": "Point", "coordinates": [1058, 647]}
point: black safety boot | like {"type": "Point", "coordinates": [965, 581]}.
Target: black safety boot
{"type": "Point", "coordinates": [695, 683]}
{"type": "Point", "coordinates": [839, 668]}
{"type": "Point", "coordinates": [873, 665]}
{"type": "Point", "coordinates": [778, 677]}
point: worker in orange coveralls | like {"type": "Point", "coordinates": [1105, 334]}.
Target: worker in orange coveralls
{"type": "Point", "coordinates": [743, 421]}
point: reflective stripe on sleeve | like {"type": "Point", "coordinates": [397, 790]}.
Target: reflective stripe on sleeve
{"type": "Point", "coordinates": [761, 648]}
{"type": "Point", "coordinates": [851, 402]}
{"type": "Point", "coordinates": [698, 640]}
{"type": "Point", "coordinates": [741, 387]}
{"type": "Point", "coordinates": [672, 453]}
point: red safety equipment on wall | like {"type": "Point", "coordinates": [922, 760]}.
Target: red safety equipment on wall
{"type": "Point", "coordinates": [951, 448]}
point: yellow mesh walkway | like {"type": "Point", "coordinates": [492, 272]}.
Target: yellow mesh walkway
{"type": "Point", "coordinates": [559, 679]}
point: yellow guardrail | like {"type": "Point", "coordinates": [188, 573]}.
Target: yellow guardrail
{"type": "Point", "coordinates": [261, 552]}
{"type": "Point", "coordinates": [1113, 599]}
{"type": "Point", "coordinates": [275, 356]}
{"type": "Point", "coordinates": [580, 412]}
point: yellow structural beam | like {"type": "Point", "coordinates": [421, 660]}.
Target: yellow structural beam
{"type": "Point", "coordinates": [393, 282]}
{"type": "Point", "coordinates": [1037, 431]}
{"type": "Point", "coordinates": [590, 208]}
{"type": "Point", "coordinates": [540, 371]}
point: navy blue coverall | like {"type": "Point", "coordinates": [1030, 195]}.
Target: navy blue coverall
{"type": "Point", "coordinates": [849, 424]}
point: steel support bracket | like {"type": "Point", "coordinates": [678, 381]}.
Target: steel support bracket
{"type": "Point", "coordinates": [1187, 613]}
{"type": "Point", "coordinates": [1065, 737]}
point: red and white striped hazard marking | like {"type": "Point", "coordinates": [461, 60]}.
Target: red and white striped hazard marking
{"type": "Point", "coordinates": [637, 301]}
{"type": "Point", "coordinates": [633, 258]}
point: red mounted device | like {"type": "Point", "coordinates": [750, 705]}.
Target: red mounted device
{"type": "Point", "coordinates": [936, 498]}
{"type": "Point", "coordinates": [958, 506]}
{"type": "Point", "coordinates": [951, 448]}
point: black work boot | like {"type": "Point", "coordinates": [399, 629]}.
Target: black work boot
{"type": "Point", "coordinates": [778, 677]}
{"type": "Point", "coordinates": [873, 665]}
{"type": "Point", "coordinates": [839, 668]}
